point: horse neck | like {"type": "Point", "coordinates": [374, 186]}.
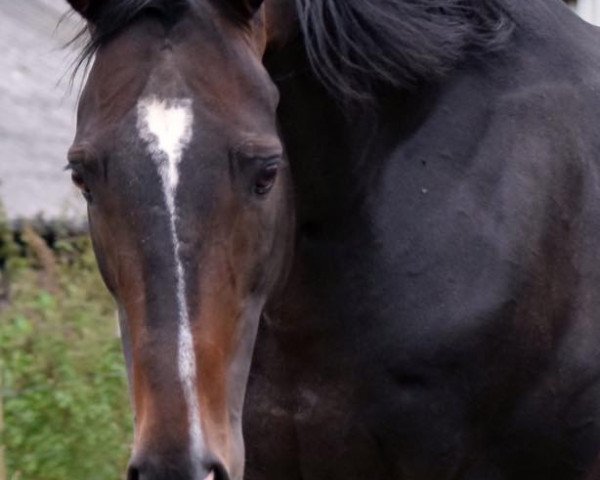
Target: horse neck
{"type": "Point", "coordinates": [335, 149]}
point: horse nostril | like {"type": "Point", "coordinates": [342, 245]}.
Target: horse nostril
{"type": "Point", "coordinates": [133, 473]}
{"type": "Point", "coordinates": [218, 472]}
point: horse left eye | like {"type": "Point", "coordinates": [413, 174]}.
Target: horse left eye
{"type": "Point", "coordinates": [266, 179]}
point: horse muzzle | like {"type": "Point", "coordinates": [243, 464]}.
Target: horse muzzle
{"type": "Point", "coordinates": [146, 468]}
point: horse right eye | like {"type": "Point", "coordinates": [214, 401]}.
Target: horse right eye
{"type": "Point", "coordinates": [77, 179]}
{"type": "Point", "coordinates": [79, 182]}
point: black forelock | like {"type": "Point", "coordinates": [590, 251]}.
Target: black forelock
{"type": "Point", "coordinates": [108, 17]}
{"type": "Point", "coordinates": [112, 16]}
{"type": "Point", "coordinates": [353, 45]}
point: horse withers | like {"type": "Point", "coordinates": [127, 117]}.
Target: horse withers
{"type": "Point", "coordinates": [428, 291]}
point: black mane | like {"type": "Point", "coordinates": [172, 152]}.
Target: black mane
{"type": "Point", "coordinates": [353, 45]}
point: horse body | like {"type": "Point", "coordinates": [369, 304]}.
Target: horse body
{"type": "Point", "coordinates": [439, 317]}
{"type": "Point", "coordinates": [440, 320]}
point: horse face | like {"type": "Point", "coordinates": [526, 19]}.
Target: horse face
{"type": "Point", "coordinates": [178, 156]}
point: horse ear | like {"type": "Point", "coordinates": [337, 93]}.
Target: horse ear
{"type": "Point", "coordinates": [82, 7]}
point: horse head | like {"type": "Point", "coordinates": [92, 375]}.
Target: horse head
{"type": "Point", "coordinates": [178, 157]}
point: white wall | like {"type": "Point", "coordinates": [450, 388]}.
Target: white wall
{"type": "Point", "coordinates": [37, 110]}
{"type": "Point", "coordinates": [589, 10]}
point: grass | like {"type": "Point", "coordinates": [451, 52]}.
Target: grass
{"type": "Point", "coordinates": [64, 395]}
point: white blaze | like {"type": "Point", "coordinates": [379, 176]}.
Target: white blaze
{"type": "Point", "coordinates": [166, 126]}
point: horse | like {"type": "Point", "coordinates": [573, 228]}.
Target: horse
{"type": "Point", "coordinates": [349, 239]}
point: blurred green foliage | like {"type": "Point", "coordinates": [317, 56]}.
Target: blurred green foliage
{"type": "Point", "coordinates": [65, 401]}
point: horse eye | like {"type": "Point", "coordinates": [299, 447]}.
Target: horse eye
{"type": "Point", "coordinates": [78, 181]}
{"type": "Point", "coordinates": [266, 179]}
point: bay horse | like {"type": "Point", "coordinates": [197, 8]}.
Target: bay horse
{"type": "Point", "coordinates": [372, 227]}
